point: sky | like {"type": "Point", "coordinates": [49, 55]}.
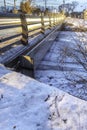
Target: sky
{"type": "Point", "coordinates": [54, 3]}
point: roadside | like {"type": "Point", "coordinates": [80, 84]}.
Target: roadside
{"type": "Point", "coordinates": [58, 65]}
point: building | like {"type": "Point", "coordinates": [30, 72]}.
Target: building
{"type": "Point", "coordinates": [85, 14]}
{"type": "Point", "coordinates": [77, 15]}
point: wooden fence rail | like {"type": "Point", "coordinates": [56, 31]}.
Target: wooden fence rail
{"type": "Point", "coordinates": [15, 29]}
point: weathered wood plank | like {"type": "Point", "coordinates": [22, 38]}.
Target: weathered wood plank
{"type": "Point", "coordinates": [9, 26]}
{"type": "Point", "coordinates": [35, 32]}
{"type": "Point", "coordinates": [5, 39]}
{"type": "Point", "coordinates": [33, 27]}
{"type": "Point", "coordinates": [9, 15]}
{"type": "Point", "coordinates": [10, 41]}
{"type": "Point", "coordinates": [10, 32]}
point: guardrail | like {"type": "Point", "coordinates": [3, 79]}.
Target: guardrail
{"type": "Point", "coordinates": [24, 39]}
{"type": "Point", "coordinates": [15, 29]}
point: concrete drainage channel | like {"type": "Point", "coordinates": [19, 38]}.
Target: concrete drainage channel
{"type": "Point", "coordinates": [28, 62]}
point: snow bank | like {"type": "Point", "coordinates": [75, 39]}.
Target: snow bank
{"type": "Point", "coordinates": [26, 104]}
{"type": "Point", "coordinates": [76, 23]}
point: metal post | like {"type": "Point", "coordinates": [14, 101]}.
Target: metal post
{"type": "Point", "coordinates": [14, 4]}
{"type": "Point", "coordinates": [63, 5]}
{"type": "Point", "coordinates": [45, 4]}
{"type": "Point", "coordinates": [24, 29]}
{"type": "Point", "coordinates": [5, 5]}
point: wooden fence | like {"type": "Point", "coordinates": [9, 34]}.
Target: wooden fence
{"type": "Point", "coordinates": [16, 29]}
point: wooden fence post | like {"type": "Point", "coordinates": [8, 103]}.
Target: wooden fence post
{"type": "Point", "coordinates": [50, 24]}
{"type": "Point", "coordinates": [42, 23]}
{"type": "Point", "coordinates": [24, 29]}
{"type": "Point", "coordinates": [54, 19]}
{"type": "Point", "coordinates": [57, 19]}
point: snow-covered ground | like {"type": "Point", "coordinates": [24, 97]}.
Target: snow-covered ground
{"type": "Point", "coordinates": [26, 104]}
{"type": "Point", "coordinates": [80, 24]}
{"type": "Point", "coordinates": [56, 67]}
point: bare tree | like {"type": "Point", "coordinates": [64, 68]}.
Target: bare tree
{"type": "Point", "coordinates": [78, 53]}
{"type": "Point", "coordinates": [26, 6]}
{"type": "Point", "coordinates": [36, 11]}
{"type": "Point", "coordinates": [74, 5]}
{"type": "Point", "coordinates": [68, 7]}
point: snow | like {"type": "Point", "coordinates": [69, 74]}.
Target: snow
{"type": "Point", "coordinates": [75, 22]}
{"type": "Point", "coordinates": [57, 66]}
{"type": "Point", "coordinates": [26, 104]}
